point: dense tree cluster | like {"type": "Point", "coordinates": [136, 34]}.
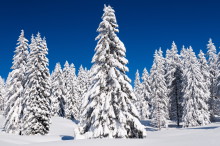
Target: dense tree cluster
{"type": "Point", "coordinates": [184, 88]}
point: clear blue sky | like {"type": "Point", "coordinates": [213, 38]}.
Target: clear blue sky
{"type": "Point", "coordinates": [70, 27]}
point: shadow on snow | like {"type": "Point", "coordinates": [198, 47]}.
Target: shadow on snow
{"type": "Point", "coordinates": [66, 137]}
{"type": "Point", "coordinates": [207, 128]}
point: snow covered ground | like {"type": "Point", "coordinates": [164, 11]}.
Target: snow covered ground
{"type": "Point", "coordinates": [61, 134]}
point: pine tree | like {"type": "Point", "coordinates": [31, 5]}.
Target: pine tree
{"type": "Point", "coordinates": [66, 88]}
{"type": "Point", "coordinates": [173, 80]}
{"type": "Point", "coordinates": [138, 92]}
{"type": "Point", "coordinates": [2, 92]}
{"type": "Point", "coordinates": [82, 82]}
{"type": "Point", "coordinates": [212, 62]}
{"type": "Point", "coordinates": [159, 92]}
{"type": "Point", "coordinates": [57, 97]}
{"type": "Point", "coordinates": [15, 87]}
{"type": "Point", "coordinates": [36, 113]}
{"type": "Point", "coordinates": [217, 88]}
{"type": "Point", "coordinates": [195, 93]}
{"type": "Point", "coordinates": [204, 67]}
{"type": "Point", "coordinates": [72, 98]}
{"type": "Point", "coordinates": [146, 96]}
{"type": "Point", "coordinates": [109, 111]}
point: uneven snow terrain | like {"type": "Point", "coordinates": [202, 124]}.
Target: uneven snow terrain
{"type": "Point", "coordinates": [61, 134]}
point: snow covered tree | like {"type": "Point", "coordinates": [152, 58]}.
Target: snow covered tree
{"type": "Point", "coordinates": [57, 97]}
{"type": "Point", "coordinates": [142, 92]}
{"type": "Point", "coordinates": [15, 87]}
{"type": "Point", "coordinates": [2, 92]}
{"type": "Point", "coordinates": [204, 68]}
{"type": "Point", "coordinates": [66, 88]}
{"type": "Point", "coordinates": [138, 91]}
{"type": "Point", "coordinates": [36, 114]}
{"type": "Point", "coordinates": [109, 109]}
{"type": "Point", "coordinates": [217, 89]}
{"type": "Point", "coordinates": [173, 68]}
{"type": "Point", "coordinates": [159, 92]}
{"type": "Point", "coordinates": [183, 57]}
{"type": "Point", "coordinates": [212, 62]}
{"type": "Point", "coordinates": [146, 96]}
{"type": "Point", "coordinates": [82, 82]}
{"type": "Point", "coordinates": [72, 97]}
{"type": "Point", "coordinates": [195, 93]}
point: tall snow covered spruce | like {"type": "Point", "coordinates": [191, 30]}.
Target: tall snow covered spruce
{"type": "Point", "coordinates": [109, 111]}
{"type": "Point", "coordinates": [160, 113]}
{"type": "Point", "coordinates": [217, 89]}
{"type": "Point", "coordinates": [138, 91]}
{"type": "Point", "coordinates": [57, 97]}
{"type": "Point", "coordinates": [143, 94]}
{"type": "Point", "coordinates": [37, 110]}
{"type": "Point", "coordinates": [212, 62]}
{"type": "Point", "coordinates": [15, 88]}
{"type": "Point", "coordinates": [174, 77]}
{"type": "Point", "coordinates": [146, 96]}
{"type": "Point", "coordinates": [2, 92]}
{"type": "Point", "coordinates": [83, 85]}
{"type": "Point", "coordinates": [195, 93]}
{"type": "Point", "coordinates": [71, 96]}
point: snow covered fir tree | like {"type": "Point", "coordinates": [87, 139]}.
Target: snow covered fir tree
{"type": "Point", "coordinates": [36, 112]}
{"type": "Point", "coordinates": [14, 96]}
{"type": "Point", "coordinates": [109, 109]}
{"type": "Point", "coordinates": [212, 62]}
{"type": "Point", "coordinates": [2, 91]}
{"type": "Point", "coordinates": [195, 93]}
{"type": "Point", "coordinates": [142, 92]}
{"type": "Point", "coordinates": [159, 92]}
{"type": "Point", "coordinates": [57, 91]}
{"type": "Point", "coordinates": [173, 75]}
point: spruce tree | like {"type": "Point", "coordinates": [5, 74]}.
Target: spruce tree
{"type": "Point", "coordinates": [15, 88]}
{"type": "Point", "coordinates": [212, 62]}
{"type": "Point", "coordinates": [72, 99]}
{"type": "Point", "coordinates": [195, 93]}
{"type": "Point", "coordinates": [138, 92]}
{"type": "Point", "coordinates": [217, 88]}
{"type": "Point", "coordinates": [66, 88]}
{"type": "Point", "coordinates": [36, 114]}
{"type": "Point", "coordinates": [146, 95]}
{"type": "Point", "coordinates": [2, 92]}
{"type": "Point", "coordinates": [57, 97]}
{"type": "Point", "coordinates": [159, 92]}
{"type": "Point", "coordinates": [109, 110]}
{"type": "Point", "coordinates": [173, 68]}
{"type": "Point", "coordinates": [204, 67]}
{"type": "Point", "coordinates": [82, 82]}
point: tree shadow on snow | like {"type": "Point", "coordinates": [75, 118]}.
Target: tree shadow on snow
{"type": "Point", "coordinates": [76, 121]}
{"type": "Point", "coordinates": [147, 125]}
{"type": "Point", "coordinates": [66, 137]}
{"type": "Point", "coordinates": [207, 128]}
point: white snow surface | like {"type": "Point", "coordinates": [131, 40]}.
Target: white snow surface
{"type": "Point", "coordinates": [62, 134]}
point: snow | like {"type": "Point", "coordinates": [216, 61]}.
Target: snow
{"type": "Point", "coordinates": [62, 133]}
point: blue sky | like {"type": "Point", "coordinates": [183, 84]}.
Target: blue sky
{"type": "Point", "coordinates": [70, 27]}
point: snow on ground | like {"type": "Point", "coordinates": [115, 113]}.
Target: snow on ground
{"type": "Point", "coordinates": [61, 134]}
